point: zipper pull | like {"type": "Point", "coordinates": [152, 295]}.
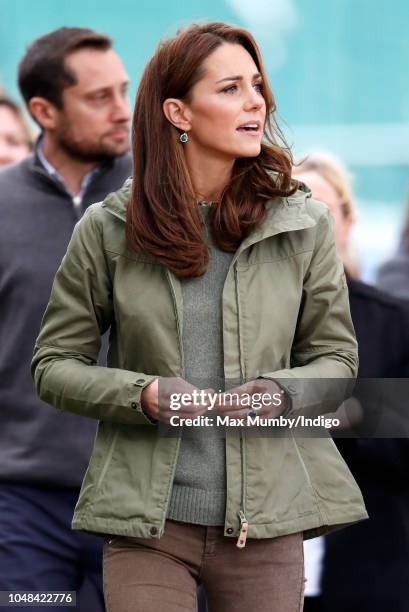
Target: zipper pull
{"type": "Point", "coordinates": [241, 542]}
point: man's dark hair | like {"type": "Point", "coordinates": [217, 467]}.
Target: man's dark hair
{"type": "Point", "coordinates": [42, 71]}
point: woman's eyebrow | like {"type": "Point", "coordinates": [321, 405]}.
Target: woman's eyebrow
{"type": "Point", "coordinates": [238, 78]}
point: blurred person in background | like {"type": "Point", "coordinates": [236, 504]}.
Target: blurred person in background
{"type": "Point", "coordinates": [326, 176]}
{"type": "Point", "coordinates": [75, 88]}
{"type": "Point", "coordinates": [15, 135]}
{"type": "Point", "coordinates": [364, 568]}
{"type": "Point", "coordinates": [393, 275]}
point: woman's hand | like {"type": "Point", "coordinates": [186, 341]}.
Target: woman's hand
{"type": "Point", "coordinates": [159, 398]}
{"type": "Point", "coordinates": [261, 397]}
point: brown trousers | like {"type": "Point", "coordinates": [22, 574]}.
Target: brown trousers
{"type": "Point", "coordinates": [162, 575]}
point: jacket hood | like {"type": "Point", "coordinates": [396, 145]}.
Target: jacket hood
{"type": "Point", "coordinates": [116, 202]}
{"type": "Point", "coordinates": [303, 188]}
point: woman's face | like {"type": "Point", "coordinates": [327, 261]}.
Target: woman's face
{"type": "Point", "coordinates": [13, 139]}
{"type": "Point", "coordinates": [227, 110]}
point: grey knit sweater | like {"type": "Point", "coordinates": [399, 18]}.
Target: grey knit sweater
{"type": "Point", "coordinates": [199, 488]}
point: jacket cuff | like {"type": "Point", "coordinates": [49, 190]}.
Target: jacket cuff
{"type": "Point", "coordinates": [293, 393]}
{"type": "Point", "coordinates": [135, 391]}
{"type": "Point", "coordinates": [311, 397]}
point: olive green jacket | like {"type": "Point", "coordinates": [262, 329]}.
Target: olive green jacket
{"type": "Point", "coordinates": [285, 317]}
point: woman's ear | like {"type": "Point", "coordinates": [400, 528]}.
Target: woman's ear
{"type": "Point", "coordinates": [177, 113]}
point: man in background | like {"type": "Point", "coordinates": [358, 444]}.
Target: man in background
{"type": "Point", "coordinates": [75, 88]}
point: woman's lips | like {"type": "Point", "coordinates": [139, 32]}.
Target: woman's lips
{"type": "Point", "coordinates": [250, 127]}
{"type": "Point", "coordinates": [253, 132]}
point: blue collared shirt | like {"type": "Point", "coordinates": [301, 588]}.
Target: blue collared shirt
{"type": "Point", "coordinates": [77, 197]}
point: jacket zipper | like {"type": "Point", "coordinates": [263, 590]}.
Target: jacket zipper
{"type": "Point", "coordinates": [244, 525]}
{"type": "Point", "coordinates": [241, 542]}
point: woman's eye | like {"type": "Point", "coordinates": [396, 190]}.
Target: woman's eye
{"type": "Point", "coordinates": [230, 89]}
{"type": "Point", "coordinates": [259, 87]}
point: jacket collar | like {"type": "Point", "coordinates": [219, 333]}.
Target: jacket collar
{"type": "Point", "coordinates": [116, 202]}
{"type": "Point", "coordinates": [283, 214]}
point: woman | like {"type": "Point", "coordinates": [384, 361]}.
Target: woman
{"type": "Point", "coordinates": [246, 290]}
{"type": "Point", "coordinates": [15, 136]}
{"type": "Point", "coordinates": [331, 183]}
{"type": "Point", "coordinates": [344, 581]}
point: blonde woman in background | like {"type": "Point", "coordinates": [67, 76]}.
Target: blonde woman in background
{"type": "Point", "coordinates": [348, 572]}
{"type": "Point", "coordinates": [330, 182]}
{"type": "Point", "coordinates": [15, 135]}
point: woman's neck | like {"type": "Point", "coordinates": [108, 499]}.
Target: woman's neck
{"type": "Point", "coordinates": [208, 175]}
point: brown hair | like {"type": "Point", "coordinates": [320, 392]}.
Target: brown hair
{"type": "Point", "coordinates": [42, 71]}
{"type": "Point", "coordinates": [162, 217]}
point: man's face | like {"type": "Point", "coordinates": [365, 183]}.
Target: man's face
{"type": "Point", "coordinates": [93, 123]}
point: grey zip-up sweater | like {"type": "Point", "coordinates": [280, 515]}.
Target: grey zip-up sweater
{"type": "Point", "coordinates": [38, 445]}
{"type": "Point", "coordinates": [199, 489]}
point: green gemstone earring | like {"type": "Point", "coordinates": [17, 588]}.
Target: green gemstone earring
{"type": "Point", "coordinates": [183, 137]}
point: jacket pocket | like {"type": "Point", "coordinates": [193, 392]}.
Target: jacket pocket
{"type": "Point", "coordinates": [272, 498]}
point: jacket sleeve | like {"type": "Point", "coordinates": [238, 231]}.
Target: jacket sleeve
{"type": "Point", "coordinates": [79, 311]}
{"type": "Point", "coordinates": [324, 355]}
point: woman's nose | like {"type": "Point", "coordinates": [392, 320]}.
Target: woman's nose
{"type": "Point", "coordinates": [254, 100]}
